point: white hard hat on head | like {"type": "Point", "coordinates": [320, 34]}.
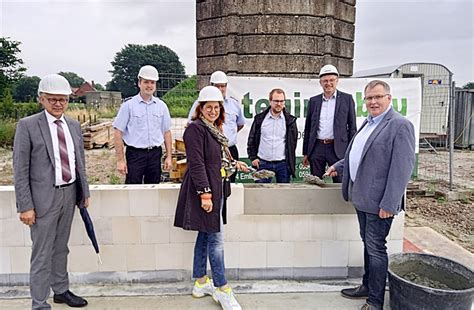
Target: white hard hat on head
{"type": "Point", "coordinates": [218, 77]}
{"type": "Point", "coordinates": [54, 84]}
{"type": "Point", "coordinates": [148, 73]}
{"type": "Point", "coordinates": [210, 93]}
{"type": "Point", "coordinates": [328, 69]}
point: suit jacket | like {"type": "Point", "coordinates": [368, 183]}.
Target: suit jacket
{"type": "Point", "coordinates": [33, 164]}
{"type": "Point", "coordinates": [385, 166]}
{"type": "Point", "coordinates": [344, 123]}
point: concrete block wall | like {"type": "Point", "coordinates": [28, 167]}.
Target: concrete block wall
{"type": "Point", "coordinates": [138, 242]}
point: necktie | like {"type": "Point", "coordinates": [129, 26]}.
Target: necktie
{"type": "Point", "coordinates": [63, 154]}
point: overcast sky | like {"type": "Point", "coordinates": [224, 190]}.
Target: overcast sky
{"type": "Point", "coordinates": [83, 36]}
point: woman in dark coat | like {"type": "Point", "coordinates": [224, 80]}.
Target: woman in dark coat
{"type": "Point", "coordinates": [201, 195]}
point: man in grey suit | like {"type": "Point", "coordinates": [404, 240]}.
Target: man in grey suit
{"type": "Point", "coordinates": [50, 180]}
{"type": "Point", "coordinates": [330, 124]}
{"type": "Point", "coordinates": [375, 172]}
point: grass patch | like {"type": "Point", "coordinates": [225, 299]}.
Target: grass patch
{"type": "Point", "coordinates": [7, 132]}
{"type": "Point", "coordinates": [181, 97]}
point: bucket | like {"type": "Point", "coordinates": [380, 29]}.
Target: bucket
{"type": "Point", "coordinates": [423, 281]}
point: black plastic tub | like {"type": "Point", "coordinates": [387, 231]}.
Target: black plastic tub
{"type": "Point", "coordinates": [422, 281]}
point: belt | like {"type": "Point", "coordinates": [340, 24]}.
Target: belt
{"type": "Point", "coordinates": [143, 149]}
{"type": "Point", "coordinates": [64, 185]}
{"type": "Point", "coordinates": [274, 161]}
{"type": "Point", "coordinates": [326, 141]}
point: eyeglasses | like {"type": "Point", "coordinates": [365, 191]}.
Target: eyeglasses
{"type": "Point", "coordinates": [329, 81]}
{"type": "Point", "coordinates": [278, 101]}
{"type": "Point", "coordinates": [377, 98]}
{"type": "Point", "coordinates": [211, 108]}
{"type": "Point", "coordinates": [61, 101]}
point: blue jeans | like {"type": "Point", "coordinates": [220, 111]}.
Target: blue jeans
{"type": "Point", "coordinates": [210, 245]}
{"type": "Point", "coordinates": [282, 173]}
{"type": "Point", "coordinates": [374, 231]}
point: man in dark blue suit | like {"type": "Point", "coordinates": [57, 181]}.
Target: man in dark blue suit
{"type": "Point", "coordinates": [330, 124]}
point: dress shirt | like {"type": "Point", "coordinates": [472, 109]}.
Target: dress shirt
{"type": "Point", "coordinates": [143, 124]}
{"type": "Point", "coordinates": [359, 142]}
{"type": "Point", "coordinates": [53, 129]}
{"type": "Point", "coordinates": [272, 138]}
{"type": "Point", "coordinates": [326, 118]}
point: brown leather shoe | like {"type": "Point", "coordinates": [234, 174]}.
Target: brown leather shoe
{"type": "Point", "coordinates": [359, 292]}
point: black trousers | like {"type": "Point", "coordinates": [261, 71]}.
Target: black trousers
{"type": "Point", "coordinates": [323, 155]}
{"type": "Point", "coordinates": [144, 166]}
{"type": "Point", "coordinates": [235, 155]}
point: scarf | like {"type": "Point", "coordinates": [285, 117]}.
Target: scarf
{"type": "Point", "coordinates": [228, 163]}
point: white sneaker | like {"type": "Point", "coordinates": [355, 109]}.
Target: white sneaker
{"type": "Point", "coordinates": [201, 290]}
{"type": "Point", "coordinates": [226, 299]}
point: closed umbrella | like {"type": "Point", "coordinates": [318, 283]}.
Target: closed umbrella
{"type": "Point", "coordinates": [90, 230]}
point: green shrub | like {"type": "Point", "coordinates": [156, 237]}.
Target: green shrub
{"type": "Point", "coordinates": [7, 132]}
{"type": "Point", "coordinates": [181, 97]}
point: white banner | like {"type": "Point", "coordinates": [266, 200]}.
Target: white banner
{"type": "Point", "coordinates": [252, 93]}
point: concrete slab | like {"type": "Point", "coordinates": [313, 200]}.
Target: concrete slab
{"type": "Point", "coordinates": [251, 295]}
{"type": "Point", "coordinates": [429, 241]}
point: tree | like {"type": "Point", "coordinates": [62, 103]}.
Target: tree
{"type": "Point", "coordinates": [7, 108]}
{"type": "Point", "coordinates": [73, 79]}
{"type": "Point", "coordinates": [10, 63]}
{"type": "Point", "coordinates": [127, 63]}
{"type": "Point", "coordinates": [469, 85]}
{"type": "Point", "coordinates": [99, 87]}
{"type": "Point", "coordinates": [26, 89]}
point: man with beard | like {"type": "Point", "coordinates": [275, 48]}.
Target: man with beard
{"type": "Point", "coordinates": [272, 139]}
{"type": "Point", "coordinates": [143, 124]}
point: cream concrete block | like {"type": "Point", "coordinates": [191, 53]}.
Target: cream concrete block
{"type": "Point", "coordinates": [235, 202]}
{"type": "Point", "coordinates": [126, 230]}
{"type": "Point", "coordinates": [27, 235]}
{"type": "Point", "coordinates": [335, 253]}
{"type": "Point", "coordinates": [241, 228]}
{"type": "Point", "coordinates": [114, 202]}
{"type": "Point", "coordinates": [78, 232]}
{"type": "Point", "coordinates": [394, 246]}
{"type": "Point", "coordinates": [96, 204]}
{"type": "Point", "coordinates": [307, 254]}
{"type": "Point", "coordinates": [144, 202]}
{"type": "Point", "coordinates": [323, 227]}
{"type": "Point", "coordinates": [20, 259]}
{"type": "Point", "coordinates": [113, 257]}
{"type": "Point", "coordinates": [168, 199]}
{"type": "Point", "coordinates": [11, 232]}
{"type": "Point", "coordinates": [170, 256]}
{"type": "Point", "coordinates": [179, 235]}
{"type": "Point", "coordinates": [280, 254]}
{"type": "Point", "coordinates": [232, 254]}
{"type": "Point", "coordinates": [82, 258]}
{"type": "Point", "coordinates": [103, 231]}
{"type": "Point", "coordinates": [268, 227]}
{"type": "Point", "coordinates": [188, 255]}
{"type": "Point", "coordinates": [141, 257]}
{"type": "Point", "coordinates": [347, 227]}
{"type": "Point", "coordinates": [296, 227]}
{"type": "Point", "coordinates": [6, 202]}
{"type": "Point", "coordinates": [253, 254]}
{"type": "Point", "coordinates": [356, 253]}
{"type": "Point", "coordinates": [5, 260]}
{"type": "Point", "coordinates": [398, 227]}
{"type": "Point", "coordinates": [155, 229]}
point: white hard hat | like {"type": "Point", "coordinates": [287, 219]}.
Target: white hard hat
{"type": "Point", "coordinates": [54, 84]}
{"type": "Point", "coordinates": [218, 77]}
{"type": "Point", "coordinates": [148, 73]}
{"type": "Point", "coordinates": [210, 93]}
{"type": "Point", "coordinates": [328, 69]}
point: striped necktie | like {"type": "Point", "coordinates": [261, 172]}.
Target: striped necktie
{"type": "Point", "coordinates": [63, 154]}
